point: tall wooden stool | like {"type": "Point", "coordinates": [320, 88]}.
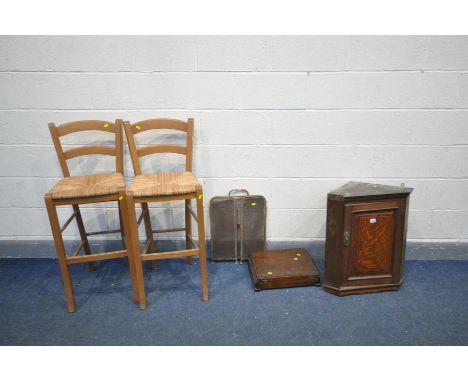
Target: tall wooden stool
{"type": "Point", "coordinates": [76, 190]}
{"type": "Point", "coordinates": [161, 187]}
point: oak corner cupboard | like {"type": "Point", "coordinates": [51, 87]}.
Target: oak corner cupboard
{"type": "Point", "coordinates": [365, 238]}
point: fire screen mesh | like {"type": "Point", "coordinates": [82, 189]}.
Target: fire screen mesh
{"type": "Point", "coordinates": [238, 225]}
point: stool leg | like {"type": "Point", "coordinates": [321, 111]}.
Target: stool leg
{"type": "Point", "coordinates": [122, 231]}
{"type": "Point", "coordinates": [60, 249]}
{"type": "Point", "coordinates": [202, 245]}
{"type": "Point", "coordinates": [133, 245]}
{"type": "Point", "coordinates": [188, 229]}
{"type": "Point", "coordinates": [84, 237]}
{"type": "Point", "coordinates": [123, 214]}
{"type": "Point", "coordinates": [149, 231]}
{"type": "Point", "coordinates": [122, 234]}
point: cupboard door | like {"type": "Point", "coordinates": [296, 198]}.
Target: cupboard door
{"type": "Point", "coordinates": [370, 240]}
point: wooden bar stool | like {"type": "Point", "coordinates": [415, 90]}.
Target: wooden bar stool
{"type": "Point", "coordinates": [76, 190]}
{"type": "Point", "coordinates": [160, 187]}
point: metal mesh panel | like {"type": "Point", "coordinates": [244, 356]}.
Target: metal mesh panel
{"type": "Point", "coordinates": [223, 228]}
{"type": "Point", "coordinates": [237, 226]}
{"type": "Point", "coordinates": [252, 229]}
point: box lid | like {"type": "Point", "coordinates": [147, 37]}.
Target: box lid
{"type": "Point", "coordinates": [352, 190]}
{"type": "Point", "coordinates": [292, 262]}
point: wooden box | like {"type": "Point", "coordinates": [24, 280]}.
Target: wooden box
{"type": "Point", "coordinates": [283, 268]}
{"type": "Point", "coordinates": [365, 238]}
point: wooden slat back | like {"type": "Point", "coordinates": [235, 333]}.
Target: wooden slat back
{"type": "Point", "coordinates": [159, 123]}
{"type": "Point", "coordinates": [158, 149]}
{"type": "Point", "coordinates": [89, 150]}
{"type": "Point", "coordinates": [73, 127]}
{"type": "Point", "coordinates": [163, 124]}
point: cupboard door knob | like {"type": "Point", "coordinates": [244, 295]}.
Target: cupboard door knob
{"type": "Point", "coordinates": [346, 239]}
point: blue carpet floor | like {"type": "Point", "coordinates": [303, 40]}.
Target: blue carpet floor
{"type": "Point", "coordinates": [430, 309]}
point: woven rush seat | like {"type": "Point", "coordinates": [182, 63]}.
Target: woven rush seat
{"type": "Point", "coordinates": [167, 183]}
{"type": "Point", "coordinates": [88, 185]}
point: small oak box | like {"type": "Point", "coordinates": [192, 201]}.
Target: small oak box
{"type": "Point", "coordinates": [365, 238]}
{"type": "Point", "coordinates": [282, 268]}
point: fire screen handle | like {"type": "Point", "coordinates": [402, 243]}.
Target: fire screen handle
{"type": "Point", "coordinates": [238, 191]}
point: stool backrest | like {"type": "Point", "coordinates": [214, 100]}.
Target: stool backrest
{"type": "Point", "coordinates": [73, 127]}
{"type": "Point", "coordinates": [162, 124]}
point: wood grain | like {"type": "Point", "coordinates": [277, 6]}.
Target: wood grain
{"type": "Point", "coordinates": [372, 244]}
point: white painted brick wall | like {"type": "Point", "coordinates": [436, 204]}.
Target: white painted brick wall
{"type": "Point", "coordinates": [288, 117]}
{"type": "Point", "coordinates": [386, 53]}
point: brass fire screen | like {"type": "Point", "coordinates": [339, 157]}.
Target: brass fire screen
{"type": "Point", "coordinates": [238, 224]}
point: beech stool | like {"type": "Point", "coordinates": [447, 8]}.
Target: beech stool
{"type": "Point", "coordinates": [76, 190]}
{"type": "Point", "coordinates": [159, 187]}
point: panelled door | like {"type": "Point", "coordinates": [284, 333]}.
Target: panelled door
{"type": "Point", "coordinates": [370, 240]}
